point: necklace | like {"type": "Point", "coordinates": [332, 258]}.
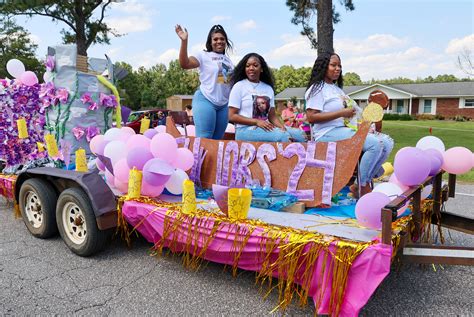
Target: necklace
{"type": "Point", "coordinates": [254, 85]}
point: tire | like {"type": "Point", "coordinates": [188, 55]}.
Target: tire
{"type": "Point", "coordinates": [77, 224]}
{"type": "Point", "coordinates": [37, 201]}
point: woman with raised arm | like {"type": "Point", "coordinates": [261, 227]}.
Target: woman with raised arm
{"type": "Point", "coordinates": [210, 111]}
{"type": "Point", "coordinates": [326, 109]}
{"type": "Point", "coordinates": [252, 104]}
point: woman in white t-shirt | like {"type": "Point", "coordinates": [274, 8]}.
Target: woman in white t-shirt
{"type": "Point", "coordinates": [252, 104]}
{"type": "Point", "coordinates": [326, 108]}
{"type": "Point", "coordinates": [210, 111]}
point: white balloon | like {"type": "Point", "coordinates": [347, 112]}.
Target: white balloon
{"type": "Point", "coordinates": [181, 130]}
{"type": "Point", "coordinates": [392, 191]}
{"type": "Point", "coordinates": [426, 191]}
{"type": "Point", "coordinates": [47, 77]}
{"type": "Point", "coordinates": [112, 134]}
{"type": "Point", "coordinates": [15, 67]}
{"type": "Point", "coordinates": [230, 128]}
{"type": "Point", "coordinates": [431, 142]}
{"type": "Point", "coordinates": [175, 184]}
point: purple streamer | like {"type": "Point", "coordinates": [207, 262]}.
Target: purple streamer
{"type": "Point", "coordinates": [266, 150]}
{"type": "Point", "coordinates": [328, 165]}
{"type": "Point", "coordinates": [246, 157]}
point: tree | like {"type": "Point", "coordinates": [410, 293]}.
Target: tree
{"type": "Point", "coordinates": [465, 62]}
{"type": "Point", "coordinates": [15, 42]}
{"type": "Point", "coordinates": [84, 29]}
{"type": "Point", "coordinates": [352, 79]}
{"type": "Point", "coordinates": [304, 10]}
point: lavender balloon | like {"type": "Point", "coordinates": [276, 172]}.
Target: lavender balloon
{"type": "Point", "coordinates": [157, 172]}
{"type": "Point", "coordinates": [368, 209]}
{"type": "Point", "coordinates": [150, 133]}
{"type": "Point", "coordinates": [436, 160]}
{"type": "Point", "coordinates": [138, 157]}
{"type": "Point", "coordinates": [412, 166]}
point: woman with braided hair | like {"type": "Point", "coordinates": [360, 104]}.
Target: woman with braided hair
{"type": "Point", "coordinates": [326, 108]}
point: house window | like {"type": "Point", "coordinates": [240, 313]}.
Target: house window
{"type": "Point", "coordinates": [469, 103]}
{"type": "Point", "coordinates": [400, 106]}
{"type": "Point", "coordinates": [427, 106]}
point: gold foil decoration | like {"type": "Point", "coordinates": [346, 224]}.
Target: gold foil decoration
{"type": "Point", "coordinates": [40, 146]}
{"type": "Point", "coordinates": [144, 125]}
{"type": "Point", "coordinates": [238, 201]}
{"type": "Point", "coordinates": [373, 112]}
{"type": "Point", "coordinates": [22, 129]}
{"type": "Point", "coordinates": [189, 197]}
{"type": "Point", "coordinates": [135, 183]}
{"type": "Point", "coordinates": [81, 161]}
{"type": "Point", "coordinates": [51, 145]}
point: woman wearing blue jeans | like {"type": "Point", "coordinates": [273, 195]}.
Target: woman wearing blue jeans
{"type": "Point", "coordinates": [210, 111]}
{"type": "Point", "coordinates": [326, 108]}
{"type": "Point", "coordinates": [252, 104]}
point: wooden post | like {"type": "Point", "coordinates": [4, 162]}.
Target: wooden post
{"type": "Point", "coordinates": [387, 226]}
{"type": "Point", "coordinates": [451, 185]}
{"type": "Point", "coordinates": [437, 193]}
{"type": "Point", "coordinates": [417, 214]}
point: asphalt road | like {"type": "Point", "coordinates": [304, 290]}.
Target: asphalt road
{"type": "Point", "coordinates": [44, 277]}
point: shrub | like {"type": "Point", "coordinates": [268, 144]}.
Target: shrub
{"type": "Point", "coordinates": [461, 118]}
{"type": "Point", "coordinates": [424, 116]}
{"type": "Point", "coordinates": [439, 117]}
{"type": "Point", "coordinates": [396, 116]}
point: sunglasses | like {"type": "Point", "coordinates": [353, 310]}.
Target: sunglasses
{"type": "Point", "coordinates": [217, 27]}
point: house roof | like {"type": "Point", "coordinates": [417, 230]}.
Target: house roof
{"type": "Point", "coordinates": [451, 89]}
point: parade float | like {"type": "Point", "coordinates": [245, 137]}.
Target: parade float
{"type": "Point", "coordinates": [279, 209]}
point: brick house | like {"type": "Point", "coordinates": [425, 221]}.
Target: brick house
{"type": "Point", "coordinates": [445, 99]}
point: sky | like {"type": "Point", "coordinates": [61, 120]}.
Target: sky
{"type": "Point", "coordinates": [380, 39]}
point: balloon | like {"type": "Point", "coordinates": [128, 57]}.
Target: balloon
{"type": "Point", "coordinates": [457, 160]}
{"type": "Point", "coordinates": [473, 160]}
{"type": "Point", "coordinates": [94, 144]}
{"type": "Point", "coordinates": [150, 133]}
{"type": "Point", "coordinates": [230, 128]}
{"type": "Point", "coordinates": [184, 159]}
{"type": "Point", "coordinates": [164, 146]}
{"type": "Point", "coordinates": [426, 191]}
{"type": "Point", "coordinates": [436, 160]}
{"type": "Point", "coordinates": [121, 186]}
{"type": "Point", "coordinates": [393, 191]}
{"type": "Point", "coordinates": [47, 77]}
{"type": "Point", "coordinates": [393, 179]}
{"type": "Point", "coordinates": [109, 178]}
{"type": "Point", "coordinates": [121, 171]}
{"type": "Point", "coordinates": [181, 130]}
{"type": "Point", "coordinates": [368, 209]}
{"type": "Point", "coordinates": [175, 184]}
{"type": "Point", "coordinates": [412, 166]}
{"type": "Point", "coordinates": [115, 150]}
{"type": "Point", "coordinates": [157, 172]}
{"type": "Point", "coordinates": [15, 68]}
{"type": "Point", "coordinates": [100, 165]}
{"type": "Point", "coordinates": [191, 130]}
{"type": "Point", "coordinates": [112, 134]}
{"type": "Point", "coordinates": [127, 130]}
{"type": "Point", "coordinates": [138, 141]}
{"type": "Point", "coordinates": [138, 157]}
{"type": "Point", "coordinates": [160, 128]}
{"type": "Point", "coordinates": [430, 142]}
{"type": "Point", "coordinates": [152, 191]}
{"type": "Point", "coordinates": [29, 78]}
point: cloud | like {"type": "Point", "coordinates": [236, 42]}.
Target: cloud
{"type": "Point", "coordinates": [130, 24]}
{"type": "Point", "coordinates": [247, 25]}
{"type": "Point", "coordinates": [150, 58]}
{"type": "Point", "coordinates": [373, 43]}
{"type": "Point", "coordinates": [456, 46]}
{"type": "Point", "coordinates": [220, 18]}
{"type": "Point", "coordinates": [130, 6]}
{"type": "Point", "coordinates": [35, 39]}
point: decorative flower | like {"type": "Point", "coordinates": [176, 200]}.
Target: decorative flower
{"type": "Point", "coordinates": [49, 63]}
{"type": "Point", "coordinates": [78, 132]}
{"type": "Point", "coordinates": [62, 95]}
{"type": "Point", "coordinates": [86, 98]}
{"type": "Point", "coordinates": [93, 106]}
{"type": "Point", "coordinates": [92, 132]}
{"type": "Point", "coordinates": [107, 101]}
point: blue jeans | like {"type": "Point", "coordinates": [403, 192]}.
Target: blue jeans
{"type": "Point", "coordinates": [256, 134]}
{"type": "Point", "coordinates": [210, 120]}
{"type": "Point", "coordinates": [376, 149]}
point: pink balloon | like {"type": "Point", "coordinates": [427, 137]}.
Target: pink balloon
{"type": "Point", "coordinates": [138, 140]}
{"type": "Point", "coordinates": [457, 160]}
{"type": "Point", "coordinates": [368, 209]}
{"type": "Point", "coordinates": [94, 144]}
{"type": "Point", "coordinates": [411, 166]}
{"type": "Point", "coordinates": [472, 160]}
{"type": "Point", "coordinates": [121, 170]}
{"type": "Point", "coordinates": [127, 130]}
{"type": "Point", "coordinates": [164, 146]}
{"type": "Point", "coordinates": [121, 186]}
{"type": "Point", "coordinates": [109, 178]}
{"type": "Point", "coordinates": [150, 190]}
{"type": "Point", "coordinates": [138, 157]}
{"type": "Point", "coordinates": [393, 179]}
{"type": "Point", "coordinates": [191, 130]}
{"type": "Point", "coordinates": [115, 150]}
{"type": "Point", "coordinates": [184, 159]}
{"type": "Point", "coordinates": [157, 172]}
{"type": "Point", "coordinates": [160, 128]}
{"type": "Point", "coordinates": [29, 78]}
{"type": "Point", "coordinates": [150, 133]}
{"type": "Point", "coordinates": [100, 165]}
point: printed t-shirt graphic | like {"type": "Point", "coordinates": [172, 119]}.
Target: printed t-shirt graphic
{"type": "Point", "coordinates": [261, 107]}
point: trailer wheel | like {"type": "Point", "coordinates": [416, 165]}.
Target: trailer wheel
{"type": "Point", "coordinates": [37, 202]}
{"type": "Point", "coordinates": [77, 225]}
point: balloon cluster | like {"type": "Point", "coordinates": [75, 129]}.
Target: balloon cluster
{"type": "Point", "coordinates": [412, 166]}
{"type": "Point", "coordinates": [155, 153]}
{"type": "Point", "coordinates": [16, 69]}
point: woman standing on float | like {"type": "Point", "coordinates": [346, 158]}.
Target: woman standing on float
{"type": "Point", "coordinates": [210, 109]}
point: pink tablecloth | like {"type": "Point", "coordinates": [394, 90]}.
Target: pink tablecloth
{"type": "Point", "coordinates": [7, 186]}
{"type": "Point", "coordinates": [367, 271]}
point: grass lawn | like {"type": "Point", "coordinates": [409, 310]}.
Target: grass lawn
{"type": "Point", "coordinates": [407, 133]}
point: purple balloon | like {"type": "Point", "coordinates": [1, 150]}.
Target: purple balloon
{"type": "Point", "coordinates": [150, 133]}
{"type": "Point", "coordinates": [100, 147]}
{"type": "Point", "coordinates": [157, 172]}
{"type": "Point", "coordinates": [436, 160]}
{"type": "Point", "coordinates": [138, 157]}
{"type": "Point", "coordinates": [368, 209]}
{"type": "Point", "coordinates": [412, 166]}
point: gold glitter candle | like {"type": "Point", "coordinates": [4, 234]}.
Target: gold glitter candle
{"type": "Point", "coordinates": [238, 201]}
{"type": "Point", "coordinates": [81, 162]}
{"type": "Point", "coordinates": [22, 130]}
{"type": "Point", "coordinates": [144, 125]}
{"type": "Point", "coordinates": [51, 145]}
{"type": "Point", "coordinates": [189, 197]}
{"type": "Point", "coordinates": [135, 183]}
